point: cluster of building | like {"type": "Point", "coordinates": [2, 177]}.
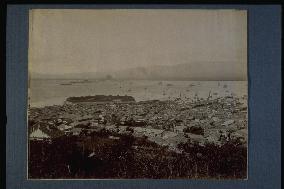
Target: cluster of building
{"type": "Point", "coordinates": [167, 123]}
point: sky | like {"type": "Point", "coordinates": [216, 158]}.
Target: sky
{"type": "Point", "coordinates": [110, 40]}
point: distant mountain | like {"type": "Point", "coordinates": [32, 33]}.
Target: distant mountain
{"type": "Point", "coordinates": [196, 71]}
{"type": "Point", "coordinates": [88, 75]}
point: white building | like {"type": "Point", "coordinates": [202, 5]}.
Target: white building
{"type": "Point", "coordinates": [39, 135]}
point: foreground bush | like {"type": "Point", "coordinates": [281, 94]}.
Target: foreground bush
{"type": "Point", "coordinates": [98, 156]}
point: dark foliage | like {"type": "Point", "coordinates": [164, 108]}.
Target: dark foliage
{"type": "Point", "coordinates": [98, 156]}
{"type": "Point", "coordinates": [194, 130]}
{"type": "Point", "coordinates": [100, 98]}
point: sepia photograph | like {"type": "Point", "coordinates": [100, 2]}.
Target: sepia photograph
{"type": "Point", "coordinates": [137, 94]}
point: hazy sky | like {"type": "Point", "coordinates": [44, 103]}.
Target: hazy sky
{"type": "Point", "coordinates": [66, 41]}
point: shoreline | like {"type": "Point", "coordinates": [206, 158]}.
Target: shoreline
{"type": "Point", "coordinates": [40, 96]}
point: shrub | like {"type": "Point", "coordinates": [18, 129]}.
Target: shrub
{"type": "Point", "coordinates": [194, 130]}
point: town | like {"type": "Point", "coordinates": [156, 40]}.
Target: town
{"type": "Point", "coordinates": [168, 124]}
